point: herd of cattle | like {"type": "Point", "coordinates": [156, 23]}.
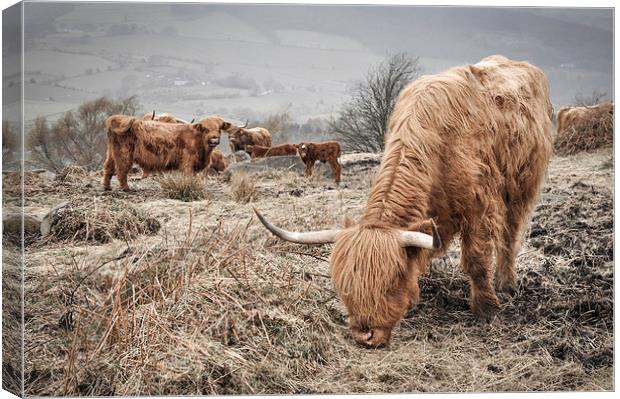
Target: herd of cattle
{"type": "Point", "coordinates": [160, 143]}
{"type": "Point", "coordinates": [465, 156]}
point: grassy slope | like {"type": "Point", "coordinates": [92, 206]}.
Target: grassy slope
{"type": "Point", "coordinates": [213, 304]}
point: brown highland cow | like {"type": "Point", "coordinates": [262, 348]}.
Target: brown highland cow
{"type": "Point", "coordinates": [326, 152]}
{"type": "Point", "coordinates": [257, 151]}
{"type": "Point", "coordinates": [158, 146]}
{"type": "Point", "coordinates": [167, 118]}
{"type": "Point", "coordinates": [240, 138]}
{"type": "Point", "coordinates": [466, 149]}
{"type": "Point", "coordinates": [573, 117]}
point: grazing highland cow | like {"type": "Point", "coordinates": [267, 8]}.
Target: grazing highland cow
{"type": "Point", "coordinates": [257, 151]}
{"type": "Point", "coordinates": [217, 162]}
{"type": "Point", "coordinates": [158, 146]}
{"type": "Point", "coordinates": [467, 149]}
{"type": "Point", "coordinates": [240, 138]}
{"type": "Point", "coordinates": [326, 152]}
{"type": "Point", "coordinates": [573, 117]}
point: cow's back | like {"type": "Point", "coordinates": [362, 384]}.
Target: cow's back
{"type": "Point", "coordinates": [468, 133]}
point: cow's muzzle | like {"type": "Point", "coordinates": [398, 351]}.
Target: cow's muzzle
{"type": "Point", "coordinates": [213, 142]}
{"type": "Point", "coordinates": [373, 338]}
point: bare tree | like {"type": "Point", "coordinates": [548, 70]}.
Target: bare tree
{"type": "Point", "coordinates": [278, 125]}
{"type": "Point", "coordinates": [43, 149]}
{"type": "Point", "coordinates": [10, 142]}
{"type": "Point", "coordinates": [595, 98]}
{"type": "Point", "coordinates": [77, 137]}
{"type": "Point", "coordinates": [361, 123]}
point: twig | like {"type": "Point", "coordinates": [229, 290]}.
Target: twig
{"type": "Point", "coordinates": [303, 253]}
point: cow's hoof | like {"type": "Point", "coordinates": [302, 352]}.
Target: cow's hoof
{"type": "Point", "coordinates": [485, 311]}
{"type": "Point", "coordinates": [506, 286]}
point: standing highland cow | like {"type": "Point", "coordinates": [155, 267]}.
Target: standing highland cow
{"type": "Point", "coordinates": [158, 146]}
{"type": "Point", "coordinates": [166, 118]}
{"type": "Point", "coordinates": [326, 152]}
{"type": "Point", "coordinates": [163, 118]}
{"type": "Point", "coordinates": [467, 149]}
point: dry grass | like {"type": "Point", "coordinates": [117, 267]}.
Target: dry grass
{"type": "Point", "coordinates": [590, 135]}
{"type": "Point", "coordinates": [72, 174]}
{"type": "Point", "coordinates": [182, 187]}
{"type": "Point", "coordinates": [205, 315]}
{"type": "Point", "coordinates": [243, 188]}
{"type": "Point", "coordinates": [221, 307]}
{"type": "Point", "coordinates": [100, 223]}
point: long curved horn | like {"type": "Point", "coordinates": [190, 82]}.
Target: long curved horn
{"type": "Point", "coordinates": [179, 120]}
{"type": "Point", "coordinates": [246, 124]}
{"type": "Point", "coordinates": [421, 240]}
{"type": "Point", "coordinates": [192, 121]}
{"type": "Point", "coordinates": [310, 237]}
{"type": "Point", "coordinates": [153, 116]}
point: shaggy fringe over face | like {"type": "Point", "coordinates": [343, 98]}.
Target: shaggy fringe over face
{"type": "Point", "coordinates": [369, 271]}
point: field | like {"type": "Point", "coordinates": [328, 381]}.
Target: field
{"type": "Point", "coordinates": [136, 293]}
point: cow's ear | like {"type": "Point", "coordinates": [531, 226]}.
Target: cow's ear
{"type": "Point", "coordinates": [225, 126]}
{"type": "Point", "coordinates": [198, 127]}
{"type": "Point", "coordinates": [349, 221]}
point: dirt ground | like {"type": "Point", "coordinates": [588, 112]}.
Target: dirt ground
{"type": "Point", "coordinates": [210, 303]}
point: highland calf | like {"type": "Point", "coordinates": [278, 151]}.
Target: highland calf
{"type": "Point", "coordinates": [257, 151]}
{"type": "Point", "coordinates": [158, 146]}
{"type": "Point", "coordinates": [326, 152]}
{"type": "Point", "coordinates": [465, 154]}
{"type": "Point", "coordinates": [217, 163]}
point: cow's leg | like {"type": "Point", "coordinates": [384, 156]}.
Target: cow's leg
{"type": "Point", "coordinates": [336, 169]}
{"type": "Point", "coordinates": [123, 163]}
{"type": "Point", "coordinates": [108, 170]}
{"type": "Point", "coordinates": [146, 173]}
{"type": "Point", "coordinates": [309, 166]}
{"type": "Point", "coordinates": [519, 204]}
{"type": "Point", "coordinates": [477, 262]}
{"type": "Point", "coordinates": [187, 165]}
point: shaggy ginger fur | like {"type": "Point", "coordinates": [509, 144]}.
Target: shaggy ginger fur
{"type": "Point", "coordinates": [217, 162]}
{"type": "Point", "coordinates": [573, 117]}
{"type": "Point", "coordinates": [151, 116]}
{"type": "Point", "coordinates": [326, 152]}
{"type": "Point", "coordinates": [257, 151]}
{"type": "Point", "coordinates": [158, 146]}
{"type": "Point", "coordinates": [240, 138]}
{"type": "Point", "coordinates": [469, 148]}
{"type": "Point", "coordinates": [167, 118]}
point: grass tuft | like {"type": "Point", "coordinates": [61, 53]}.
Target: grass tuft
{"type": "Point", "coordinates": [243, 188]}
{"type": "Point", "coordinates": [100, 223]}
{"type": "Point", "coordinates": [182, 187]}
